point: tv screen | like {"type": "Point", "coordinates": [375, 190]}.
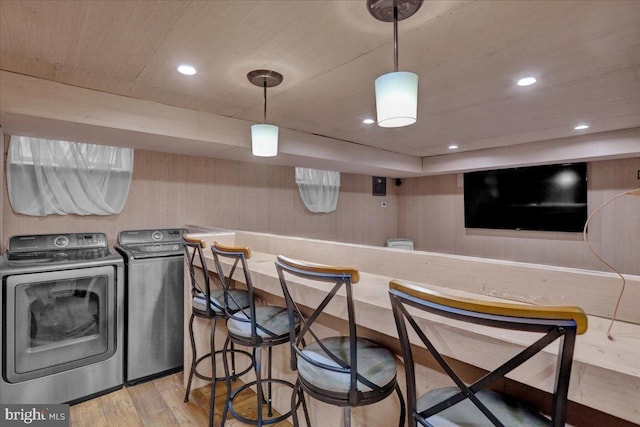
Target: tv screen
{"type": "Point", "coordinates": [549, 198]}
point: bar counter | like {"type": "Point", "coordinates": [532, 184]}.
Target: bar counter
{"type": "Point", "coordinates": [605, 382]}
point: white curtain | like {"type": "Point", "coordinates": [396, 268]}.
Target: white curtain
{"type": "Point", "coordinates": [47, 177]}
{"type": "Point", "coordinates": [318, 188]}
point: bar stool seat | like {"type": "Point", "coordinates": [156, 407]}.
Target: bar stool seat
{"type": "Point", "coordinates": [509, 411]}
{"type": "Point", "coordinates": [375, 363]}
{"type": "Point", "coordinates": [238, 299]}
{"type": "Point", "coordinates": [272, 323]}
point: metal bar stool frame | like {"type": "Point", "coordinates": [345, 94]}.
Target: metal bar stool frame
{"type": "Point", "coordinates": [193, 249]}
{"type": "Point", "coordinates": [341, 277]}
{"type": "Point", "coordinates": [255, 341]}
{"type": "Point", "coordinates": [554, 322]}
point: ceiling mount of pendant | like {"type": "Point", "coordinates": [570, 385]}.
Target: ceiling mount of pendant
{"type": "Point", "coordinates": [260, 77]}
{"type": "Point", "coordinates": [382, 10]}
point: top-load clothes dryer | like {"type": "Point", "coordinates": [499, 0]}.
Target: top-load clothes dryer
{"type": "Point", "coordinates": [154, 302]}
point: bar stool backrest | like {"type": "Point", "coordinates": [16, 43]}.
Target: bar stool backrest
{"type": "Point", "coordinates": [551, 322]}
{"type": "Point", "coordinates": [193, 252]}
{"type": "Point", "coordinates": [339, 278]}
{"type": "Point", "coordinates": [239, 255]}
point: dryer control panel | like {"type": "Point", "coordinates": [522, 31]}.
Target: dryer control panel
{"type": "Point", "coordinates": [52, 242]}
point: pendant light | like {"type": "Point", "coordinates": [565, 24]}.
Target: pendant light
{"type": "Point", "coordinates": [396, 92]}
{"type": "Point", "coordinates": [264, 137]}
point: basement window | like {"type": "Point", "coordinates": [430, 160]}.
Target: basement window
{"type": "Point", "coordinates": [319, 189]}
{"type": "Point", "coordinates": [51, 177]}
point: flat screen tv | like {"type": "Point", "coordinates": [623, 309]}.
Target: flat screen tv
{"type": "Point", "coordinates": [549, 198]}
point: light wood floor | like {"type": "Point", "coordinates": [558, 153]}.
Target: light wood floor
{"type": "Point", "coordinates": [161, 403]}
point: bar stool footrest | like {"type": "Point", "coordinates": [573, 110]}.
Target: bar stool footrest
{"type": "Point", "coordinates": [265, 421]}
{"type": "Point", "coordinates": [223, 378]}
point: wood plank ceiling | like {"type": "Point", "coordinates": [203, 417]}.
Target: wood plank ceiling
{"type": "Point", "coordinates": [468, 55]}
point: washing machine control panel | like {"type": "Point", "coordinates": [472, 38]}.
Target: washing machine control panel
{"type": "Point", "coordinates": [164, 235]}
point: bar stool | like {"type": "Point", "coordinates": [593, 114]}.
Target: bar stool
{"type": "Point", "coordinates": [256, 327]}
{"type": "Point", "coordinates": [474, 404]}
{"type": "Point", "coordinates": [222, 301]}
{"type": "Point", "coordinates": [346, 371]}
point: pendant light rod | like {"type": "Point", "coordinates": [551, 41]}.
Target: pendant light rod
{"type": "Point", "coordinates": [393, 11]}
{"type": "Point", "coordinates": [265, 79]}
{"type": "Point", "coordinates": [395, 35]}
{"type": "Point", "coordinates": [264, 116]}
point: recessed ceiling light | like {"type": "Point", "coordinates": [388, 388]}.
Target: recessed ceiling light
{"type": "Point", "coordinates": [187, 70]}
{"type": "Point", "coordinates": [526, 81]}
{"type": "Point", "coordinates": [453, 147]}
{"type": "Point", "coordinates": [581, 126]}
{"type": "Point", "coordinates": [368, 121]}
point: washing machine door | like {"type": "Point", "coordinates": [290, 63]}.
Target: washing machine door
{"type": "Point", "coordinates": [58, 320]}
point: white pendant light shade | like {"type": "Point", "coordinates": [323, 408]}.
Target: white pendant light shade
{"type": "Point", "coordinates": [264, 140]}
{"type": "Point", "coordinates": [397, 99]}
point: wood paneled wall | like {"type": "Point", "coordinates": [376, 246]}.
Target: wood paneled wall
{"type": "Point", "coordinates": [174, 190]}
{"type": "Point", "coordinates": [431, 212]}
